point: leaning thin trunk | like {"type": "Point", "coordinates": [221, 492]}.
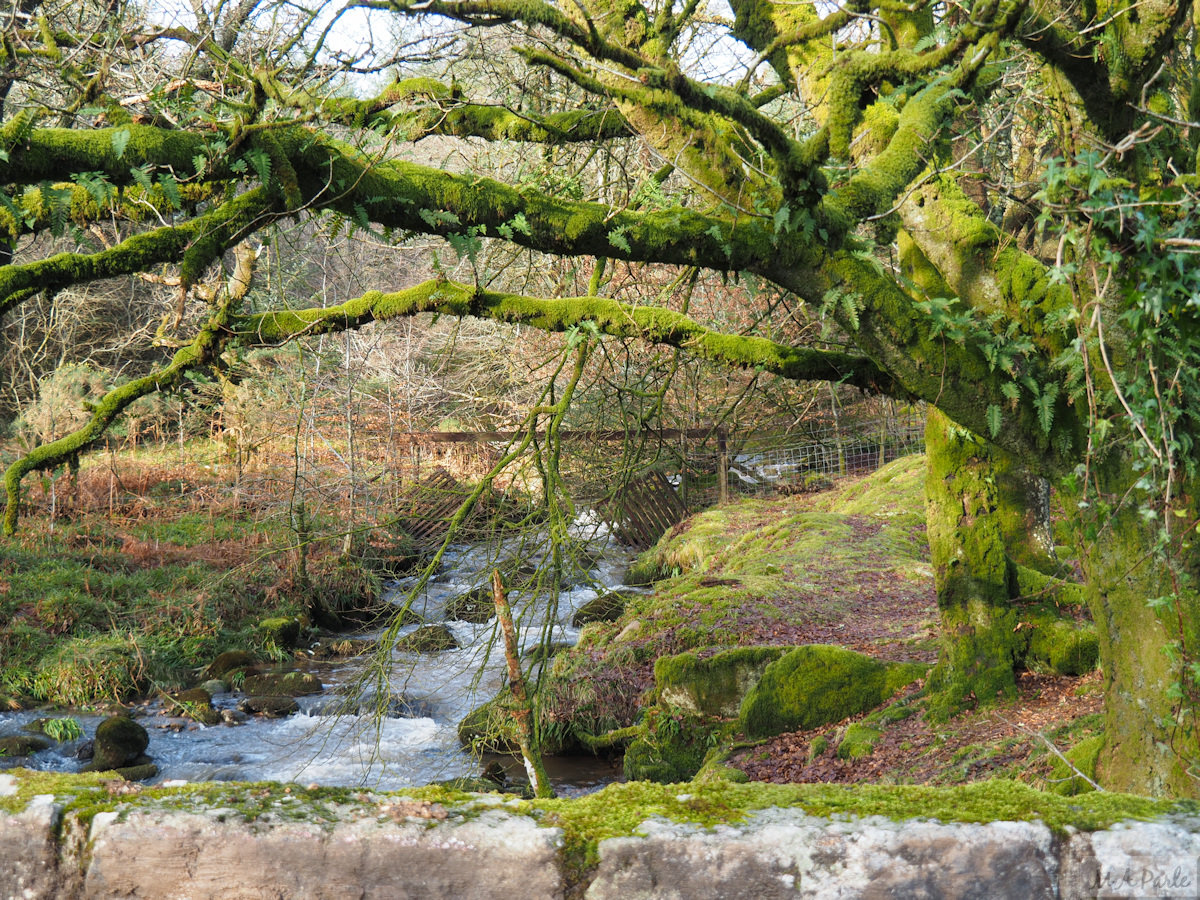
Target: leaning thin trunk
{"type": "Point", "coordinates": [539, 781]}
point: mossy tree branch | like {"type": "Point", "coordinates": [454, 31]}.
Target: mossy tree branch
{"type": "Point", "coordinates": [199, 354]}
{"type": "Point", "coordinates": [197, 243]}
{"type": "Point", "coordinates": [446, 112]}
{"type": "Point", "coordinates": [610, 317]}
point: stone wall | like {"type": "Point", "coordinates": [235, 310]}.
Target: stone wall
{"type": "Point", "coordinates": [486, 847]}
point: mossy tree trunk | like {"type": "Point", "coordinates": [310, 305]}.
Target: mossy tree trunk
{"type": "Point", "coordinates": [1148, 619]}
{"type": "Point", "coordinates": [980, 643]}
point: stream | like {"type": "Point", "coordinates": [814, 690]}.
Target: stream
{"type": "Point", "coordinates": [417, 743]}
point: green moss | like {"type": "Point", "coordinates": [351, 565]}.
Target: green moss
{"type": "Point", "coordinates": [858, 741]}
{"type": "Point", "coordinates": [22, 745]}
{"type": "Point", "coordinates": [604, 608]}
{"type": "Point", "coordinates": [619, 810]}
{"type": "Point", "coordinates": [1083, 757]}
{"type": "Point", "coordinates": [1063, 646]}
{"type": "Point", "coordinates": [282, 684]}
{"type": "Point", "coordinates": [664, 761]}
{"type": "Point", "coordinates": [280, 632]}
{"type": "Point", "coordinates": [818, 685]}
{"type": "Point", "coordinates": [714, 685]}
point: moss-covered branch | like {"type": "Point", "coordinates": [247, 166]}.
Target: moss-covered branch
{"type": "Point", "coordinates": [199, 353]}
{"type": "Point", "coordinates": [658, 326]}
{"type": "Point", "coordinates": [196, 243]}
{"type": "Point", "coordinates": [443, 111]}
{"type": "Point", "coordinates": [1030, 584]}
{"type": "Point", "coordinates": [981, 266]}
{"type": "Point", "coordinates": [952, 373]}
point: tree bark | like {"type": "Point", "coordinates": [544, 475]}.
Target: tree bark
{"type": "Point", "coordinates": [1147, 612]}
{"type": "Point", "coordinates": [980, 643]}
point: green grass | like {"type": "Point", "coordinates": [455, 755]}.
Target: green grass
{"type": "Point", "coordinates": [82, 623]}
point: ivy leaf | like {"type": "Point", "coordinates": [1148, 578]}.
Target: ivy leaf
{"type": "Point", "coordinates": [120, 140]}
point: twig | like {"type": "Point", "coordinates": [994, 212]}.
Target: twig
{"type": "Point", "coordinates": [1050, 746]}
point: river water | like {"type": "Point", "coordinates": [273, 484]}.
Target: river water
{"type": "Point", "coordinates": [322, 745]}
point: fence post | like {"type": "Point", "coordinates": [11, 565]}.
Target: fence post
{"type": "Point", "coordinates": [722, 468]}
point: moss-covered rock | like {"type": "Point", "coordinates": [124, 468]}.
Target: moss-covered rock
{"type": "Point", "coordinates": [819, 684]}
{"type": "Point", "coordinates": [282, 632]}
{"type": "Point", "coordinates": [143, 771]}
{"type": "Point", "coordinates": [390, 553]}
{"type": "Point", "coordinates": [1082, 758]}
{"type": "Point", "coordinates": [605, 608]}
{"type": "Point", "coordinates": [195, 703]}
{"type": "Point", "coordinates": [22, 745]}
{"type": "Point", "coordinates": [346, 595]}
{"type": "Point", "coordinates": [282, 684]}
{"type": "Point", "coordinates": [119, 742]}
{"type": "Point", "coordinates": [428, 639]}
{"type": "Point", "coordinates": [475, 606]}
{"type": "Point", "coordinates": [272, 707]}
{"type": "Point", "coordinates": [714, 685]}
{"type": "Point", "coordinates": [858, 741]}
{"type": "Point", "coordinates": [229, 662]}
{"type": "Point", "coordinates": [57, 728]}
{"type": "Point", "coordinates": [665, 762]}
{"type": "Point", "coordinates": [492, 728]}
{"type": "Point", "coordinates": [1062, 646]}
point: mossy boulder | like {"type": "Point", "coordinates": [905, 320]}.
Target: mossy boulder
{"type": "Point", "coordinates": [665, 762]}
{"type": "Point", "coordinates": [605, 608]}
{"type": "Point", "coordinates": [229, 663]}
{"type": "Point", "coordinates": [642, 572]}
{"type": "Point", "coordinates": [272, 707]}
{"type": "Point", "coordinates": [475, 606]}
{"type": "Point", "coordinates": [195, 703]}
{"type": "Point", "coordinates": [714, 685]}
{"type": "Point", "coordinates": [1082, 758]}
{"type": "Point", "coordinates": [140, 772]}
{"type": "Point", "coordinates": [490, 728]}
{"type": "Point", "coordinates": [819, 684]}
{"type": "Point", "coordinates": [858, 741]}
{"type": "Point", "coordinates": [281, 631]}
{"type": "Point", "coordinates": [57, 728]}
{"type": "Point", "coordinates": [1062, 646]}
{"type": "Point", "coordinates": [673, 745]}
{"type": "Point", "coordinates": [22, 745]}
{"type": "Point", "coordinates": [119, 742]}
{"type": "Point", "coordinates": [282, 684]}
{"type": "Point", "coordinates": [428, 639]}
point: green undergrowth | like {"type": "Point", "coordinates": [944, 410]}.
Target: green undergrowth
{"type": "Point", "coordinates": [618, 810]}
{"type": "Point", "coordinates": [85, 620]}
